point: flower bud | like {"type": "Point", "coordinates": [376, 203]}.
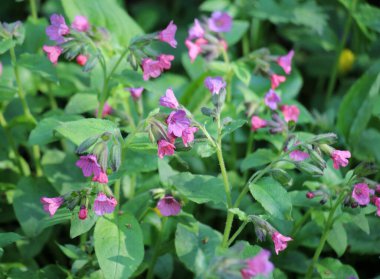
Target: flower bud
{"type": "Point", "coordinates": [317, 158]}
{"type": "Point", "coordinates": [115, 156]}
{"type": "Point", "coordinates": [91, 63]}
{"type": "Point", "coordinates": [85, 145]}
{"type": "Point", "coordinates": [82, 212]}
{"type": "Point", "coordinates": [282, 176]}
{"type": "Point", "coordinates": [328, 138]}
{"type": "Point", "coordinates": [309, 168]}
{"type": "Point", "coordinates": [72, 202]}
{"type": "Point", "coordinates": [326, 148]}
{"type": "Point", "coordinates": [260, 233]}
{"type": "Point", "coordinates": [207, 111]}
{"type": "Point", "coordinates": [323, 200]}
{"type": "Point", "coordinates": [310, 195]}
{"type": "Point", "coordinates": [81, 59]}
{"type": "Point", "coordinates": [101, 152]}
{"type": "Point", "coordinates": [158, 130]}
{"type": "Point", "coordinates": [133, 61]}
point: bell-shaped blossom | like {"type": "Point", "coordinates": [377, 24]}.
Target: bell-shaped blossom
{"type": "Point", "coordinates": [169, 100]}
{"type": "Point", "coordinates": [258, 265]}
{"type": "Point", "coordinates": [135, 92]}
{"type": "Point", "coordinates": [81, 59]}
{"type": "Point", "coordinates": [177, 122]}
{"type": "Point", "coordinates": [298, 155]}
{"type": "Point", "coordinates": [276, 80]}
{"type": "Point", "coordinates": [214, 85]}
{"type": "Point", "coordinates": [168, 35]}
{"type": "Point", "coordinates": [220, 22]}
{"type": "Point", "coordinates": [290, 112]}
{"type": "Point", "coordinates": [80, 24]}
{"type": "Point", "coordinates": [285, 62]}
{"type": "Point", "coordinates": [58, 29]}
{"type": "Point", "coordinates": [361, 194]}
{"type": "Point", "coordinates": [83, 212]}
{"type": "Point", "coordinates": [188, 135]}
{"type": "Point", "coordinates": [168, 206]}
{"type": "Point", "coordinates": [340, 158]}
{"type": "Point", "coordinates": [195, 48]}
{"type": "Point", "coordinates": [53, 53]}
{"type": "Point", "coordinates": [165, 148]}
{"type": "Point", "coordinates": [272, 99]}
{"type": "Point", "coordinates": [51, 205]}
{"type": "Point", "coordinates": [151, 68]}
{"type": "Point", "coordinates": [103, 204]}
{"type": "Point", "coordinates": [196, 31]}
{"type": "Point", "coordinates": [107, 110]}
{"type": "Point", "coordinates": [257, 123]}
{"type": "Point", "coordinates": [165, 61]}
{"type": "Point", "coordinates": [101, 178]}
{"type": "Point", "coordinates": [280, 241]}
{"type": "Point", "coordinates": [89, 165]}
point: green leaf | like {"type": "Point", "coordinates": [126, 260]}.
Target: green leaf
{"type": "Point", "coordinates": [6, 44]}
{"type": "Point", "coordinates": [8, 238]}
{"type": "Point", "coordinates": [240, 214]}
{"type": "Point", "coordinates": [119, 245]}
{"type": "Point", "coordinates": [72, 252]}
{"type": "Point", "coordinates": [273, 197]}
{"type": "Point", "coordinates": [80, 103]}
{"type": "Point", "coordinates": [242, 72]}
{"type": "Point", "coordinates": [361, 222]}
{"type": "Point", "coordinates": [258, 158]}
{"type": "Point", "coordinates": [239, 27]}
{"type": "Point", "coordinates": [337, 238]}
{"type": "Point", "coordinates": [39, 64]}
{"type": "Point", "coordinates": [232, 126]}
{"type": "Point", "coordinates": [79, 226]}
{"type": "Point", "coordinates": [330, 268]}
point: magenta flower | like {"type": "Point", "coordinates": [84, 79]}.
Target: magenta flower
{"type": "Point", "coordinates": [101, 178]}
{"type": "Point", "coordinates": [290, 112]}
{"type": "Point", "coordinates": [107, 110]}
{"type": "Point", "coordinates": [168, 35]}
{"type": "Point", "coordinates": [53, 53]}
{"type": "Point", "coordinates": [340, 158]}
{"type": "Point", "coordinates": [135, 92]}
{"type": "Point", "coordinates": [89, 165]}
{"type": "Point", "coordinates": [168, 206]}
{"type": "Point", "coordinates": [220, 22]}
{"type": "Point", "coordinates": [81, 59]}
{"type": "Point", "coordinates": [257, 123]}
{"type": "Point", "coordinates": [165, 61]}
{"type": "Point", "coordinates": [165, 148]}
{"type": "Point", "coordinates": [361, 194]}
{"type": "Point", "coordinates": [272, 99]}
{"type": "Point", "coordinates": [377, 204]}
{"type": "Point", "coordinates": [51, 205]}
{"type": "Point", "coordinates": [285, 62]}
{"type": "Point", "coordinates": [188, 135]}
{"type": "Point", "coordinates": [177, 122]}
{"type": "Point", "coordinates": [298, 155]}
{"type": "Point", "coordinates": [280, 241]}
{"type": "Point", "coordinates": [80, 24]}
{"type": "Point", "coordinates": [57, 29]}
{"type": "Point", "coordinates": [83, 212]}
{"type": "Point", "coordinates": [258, 265]}
{"type": "Point", "coordinates": [214, 85]}
{"type": "Point", "coordinates": [104, 204]}
{"type": "Point", "coordinates": [196, 31]}
{"type": "Point", "coordinates": [169, 100]}
{"type": "Point", "coordinates": [151, 68]}
{"type": "Point", "coordinates": [195, 48]}
{"type": "Point", "coordinates": [276, 80]}
{"type": "Point", "coordinates": [1, 69]}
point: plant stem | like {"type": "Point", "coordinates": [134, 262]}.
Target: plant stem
{"type": "Point", "coordinates": [33, 9]}
{"type": "Point", "coordinates": [329, 223]}
{"type": "Point", "coordinates": [249, 150]}
{"type": "Point", "coordinates": [238, 231]}
{"type": "Point", "coordinates": [156, 252]}
{"type": "Point", "coordinates": [116, 192]}
{"type": "Point", "coordinates": [299, 224]}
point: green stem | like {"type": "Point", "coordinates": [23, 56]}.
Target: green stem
{"type": "Point", "coordinates": [33, 9]}
{"type": "Point", "coordinates": [238, 231]}
{"type": "Point", "coordinates": [249, 150]}
{"type": "Point", "coordinates": [329, 223]}
{"type": "Point", "coordinates": [116, 192]}
{"type": "Point", "coordinates": [300, 223]}
{"type": "Point", "coordinates": [156, 252]}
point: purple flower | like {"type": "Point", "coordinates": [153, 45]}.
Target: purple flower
{"type": "Point", "coordinates": [361, 194]}
{"type": "Point", "coordinates": [220, 22]}
{"type": "Point", "coordinates": [214, 85]}
{"type": "Point", "coordinates": [340, 158]}
{"type": "Point", "coordinates": [168, 35]}
{"type": "Point", "coordinates": [165, 61]}
{"type": "Point", "coordinates": [188, 135]}
{"type": "Point", "coordinates": [168, 206]}
{"type": "Point", "coordinates": [53, 53]}
{"type": "Point", "coordinates": [101, 178]}
{"type": "Point", "coordinates": [151, 68]}
{"type": "Point", "coordinates": [298, 155]}
{"type": "Point", "coordinates": [51, 205]}
{"type": "Point", "coordinates": [280, 241]}
{"type": "Point", "coordinates": [285, 62]}
{"type": "Point", "coordinates": [89, 165]}
{"type": "Point", "coordinates": [169, 100]}
{"type": "Point", "coordinates": [57, 29]}
{"type": "Point", "coordinates": [104, 204]}
{"type": "Point", "coordinates": [177, 122]}
{"type": "Point", "coordinates": [258, 265]}
{"type": "Point", "coordinates": [80, 24]}
{"type": "Point", "coordinates": [196, 31]}
{"type": "Point", "coordinates": [135, 92]}
{"type": "Point", "coordinates": [276, 80]}
{"type": "Point", "coordinates": [165, 148]}
{"type": "Point", "coordinates": [272, 99]}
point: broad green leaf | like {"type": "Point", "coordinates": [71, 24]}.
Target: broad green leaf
{"type": "Point", "coordinates": [35, 34]}
{"type": "Point", "coordinates": [232, 126]}
{"type": "Point", "coordinates": [292, 86]}
{"type": "Point", "coordinates": [79, 226]}
{"type": "Point", "coordinates": [361, 222]}
{"type": "Point", "coordinates": [258, 158]}
{"type": "Point", "coordinates": [6, 44]}
{"type": "Point", "coordinates": [366, 148]}
{"type": "Point", "coordinates": [337, 238]}
{"type": "Point", "coordinates": [239, 27]}
{"type": "Point", "coordinates": [39, 64]}
{"type": "Point", "coordinates": [273, 197]}
{"type": "Point", "coordinates": [119, 245]}
{"type": "Point", "coordinates": [242, 72]}
{"type": "Point", "coordinates": [82, 102]}
{"type": "Point", "coordinates": [71, 251]}
{"type": "Point", "coordinates": [330, 268]}
{"type": "Point", "coordinates": [8, 238]}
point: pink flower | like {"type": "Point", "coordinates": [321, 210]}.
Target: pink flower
{"type": "Point", "coordinates": [272, 99]}
{"type": "Point", "coordinates": [168, 35]}
{"type": "Point", "coordinates": [53, 53]}
{"type": "Point", "coordinates": [104, 204]}
{"type": "Point", "coordinates": [81, 59]}
{"type": "Point", "coordinates": [188, 135]}
{"type": "Point", "coordinates": [107, 110]}
{"type": "Point", "coordinates": [290, 112]}
{"type": "Point", "coordinates": [298, 155]}
{"type": "Point", "coordinates": [83, 212]}
{"type": "Point", "coordinates": [361, 194]}
{"type": "Point", "coordinates": [257, 123]}
{"type": "Point", "coordinates": [214, 85]}
{"type": "Point", "coordinates": [220, 22]}
{"type": "Point", "coordinates": [168, 206]}
{"type": "Point", "coordinates": [57, 29]}
{"type": "Point", "coordinates": [195, 48]}
{"type": "Point", "coordinates": [285, 62]}
{"type": "Point", "coordinates": [165, 148]}
{"type": "Point", "coordinates": [51, 205]}
{"type": "Point", "coordinates": [101, 178]}
{"type": "Point", "coordinates": [80, 24]}
{"type": "Point", "coordinates": [377, 204]}
{"type": "Point", "coordinates": [89, 165]}
{"type": "Point", "coordinates": [258, 265]}
{"type": "Point", "coordinates": [196, 31]}
{"type": "Point", "coordinates": [177, 123]}
{"type": "Point", "coordinates": [339, 158]}
{"type": "Point", "coordinates": [280, 241]}
{"type": "Point", "coordinates": [1, 69]}
{"type": "Point", "coordinates": [135, 92]}
{"type": "Point", "coordinates": [165, 61]}
{"type": "Point", "coordinates": [276, 80]}
{"type": "Point", "coordinates": [151, 68]}
{"type": "Point", "coordinates": [169, 100]}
